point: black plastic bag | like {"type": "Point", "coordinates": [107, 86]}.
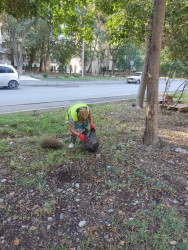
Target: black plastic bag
{"type": "Point", "coordinates": [91, 143]}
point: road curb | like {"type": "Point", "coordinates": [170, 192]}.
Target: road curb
{"type": "Point", "coordinates": [52, 106]}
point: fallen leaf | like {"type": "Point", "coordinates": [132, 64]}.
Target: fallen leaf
{"type": "Point", "coordinates": [121, 212]}
{"type": "Point", "coordinates": [32, 228]}
{"type": "Point", "coordinates": [173, 242]}
{"type": "Point", "coordinates": [16, 242]}
{"type": "Point", "coordinates": [122, 243]}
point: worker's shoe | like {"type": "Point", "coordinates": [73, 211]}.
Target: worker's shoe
{"type": "Point", "coordinates": [71, 145]}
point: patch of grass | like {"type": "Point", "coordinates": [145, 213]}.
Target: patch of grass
{"type": "Point", "coordinates": [184, 97]}
{"type": "Point", "coordinates": [31, 181]}
{"type": "Point", "coordinates": [5, 148]}
{"type": "Point", "coordinates": [154, 229]}
{"type": "Point", "coordinates": [77, 77]}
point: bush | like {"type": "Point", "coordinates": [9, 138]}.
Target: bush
{"type": "Point", "coordinates": [76, 76]}
{"type": "Point", "coordinates": [45, 75]}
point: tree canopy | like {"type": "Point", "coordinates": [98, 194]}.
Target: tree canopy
{"type": "Point", "coordinates": [22, 8]}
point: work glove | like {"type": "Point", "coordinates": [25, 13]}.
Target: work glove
{"type": "Point", "coordinates": [93, 127]}
{"type": "Point", "coordinates": [82, 137]}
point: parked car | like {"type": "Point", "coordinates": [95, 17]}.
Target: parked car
{"type": "Point", "coordinates": [136, 78]}
{"type": "Point", "coordinates": [8, 76]}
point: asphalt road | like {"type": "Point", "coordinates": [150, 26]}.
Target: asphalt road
{"type": "Point", "coordinates": [43, 95]}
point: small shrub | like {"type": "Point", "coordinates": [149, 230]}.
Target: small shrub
{"type": "Point", "coordinates": [45, 75]}
{"type": "Point", "coordinates": [76, 76]}
{"type": "Point", "coordinates": [66, 76]}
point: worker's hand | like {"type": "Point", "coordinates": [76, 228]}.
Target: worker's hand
{"type": "Point", "coordinates": [92, 127]}
{"type": "Point", "coordinates": [82, 137]}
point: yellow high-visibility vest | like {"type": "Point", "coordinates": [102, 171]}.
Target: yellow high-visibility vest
{"type": "Point", "coordinates": [73, 111]}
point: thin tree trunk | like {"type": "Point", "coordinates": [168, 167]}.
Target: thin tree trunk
{"type": "Point", "coordinates": [151, 129]}
{"type": "Point", "coordinates": [83, 66]}
{"type": "Point", "coordinates": [144, 78]}
{"type": "Point", "coordinates": [20, 66]}
{"type": "Point", "coordinates": [14, 44]}
{"type": "Point", "coordinates": [112, 71]}
{"type": "Point", "coordinates": [47, 58]}
{"type": "Point", "coordinates": [41, 58]}
{"type": "Point", "coordinates": [32, 57]}
{"type": "Point", "coordinates": [89, 68]}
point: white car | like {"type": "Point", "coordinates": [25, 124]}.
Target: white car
{"type": "Point", "coordinates": [8, 76]}
{"type": "Point", "coordinates": [136, 78]}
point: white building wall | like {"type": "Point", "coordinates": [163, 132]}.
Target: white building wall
{"type": "Point", "coordinates": [76, 66]}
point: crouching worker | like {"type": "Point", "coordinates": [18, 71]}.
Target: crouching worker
{"type": "Point", "coordinates": [79, 116]}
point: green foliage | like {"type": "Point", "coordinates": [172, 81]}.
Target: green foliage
{"type": "Point", "coordinates": [74, 16]}
{"type": "Point", "coordinates": [22, 8]}
{"type": "Point", "coordinates": [45, 75]}
{"type": "Point", "coordinates": [64, 49]}
{"type": "Point", "coordinates": [62, 69]}
{"type": "Point", "coordinates": [126, 20]}
{"type": "Point", "coordinates": [172, 67]}
{"type": "Point", "coordinates": [130, 52]}
{"type": "Point", "coordinates": [176, 30]}
{"type": "Point", "coordinates": [184, 97]}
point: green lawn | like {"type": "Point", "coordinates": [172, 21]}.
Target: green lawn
{"type": "Point", "coordinates": [72, 77]}
{"type": "Point", "coordinates": [184, 97]}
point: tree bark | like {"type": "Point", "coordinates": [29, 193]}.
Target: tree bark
{"type": "Point", "coordinates": [14, 45]}
{"type": "Point", "coordinates": [32, 57]}
{"type": "Point", "coordinates": [151, 129]}
{"type": "Point", "coordinates": [41, 68]}
{"type": "Point", "coordinates": [47, 58]}
{"type": "Point", "coordinates": [83, 66]}
{"type": "Point", "coordinates": [144, 78]}
{"type": "Point", "coordinates": [113, 66]}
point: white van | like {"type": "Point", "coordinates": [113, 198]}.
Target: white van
{"type": "Point", "coordinates": [8, 76]}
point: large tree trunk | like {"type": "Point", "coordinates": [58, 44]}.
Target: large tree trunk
{"type": "Point", "coordinates": [151, 130]}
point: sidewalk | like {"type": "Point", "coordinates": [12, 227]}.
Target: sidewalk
{"type": "Point", "coordinates": [28, 78]}
{"type": "Point", "coordinates": [30, 81]}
